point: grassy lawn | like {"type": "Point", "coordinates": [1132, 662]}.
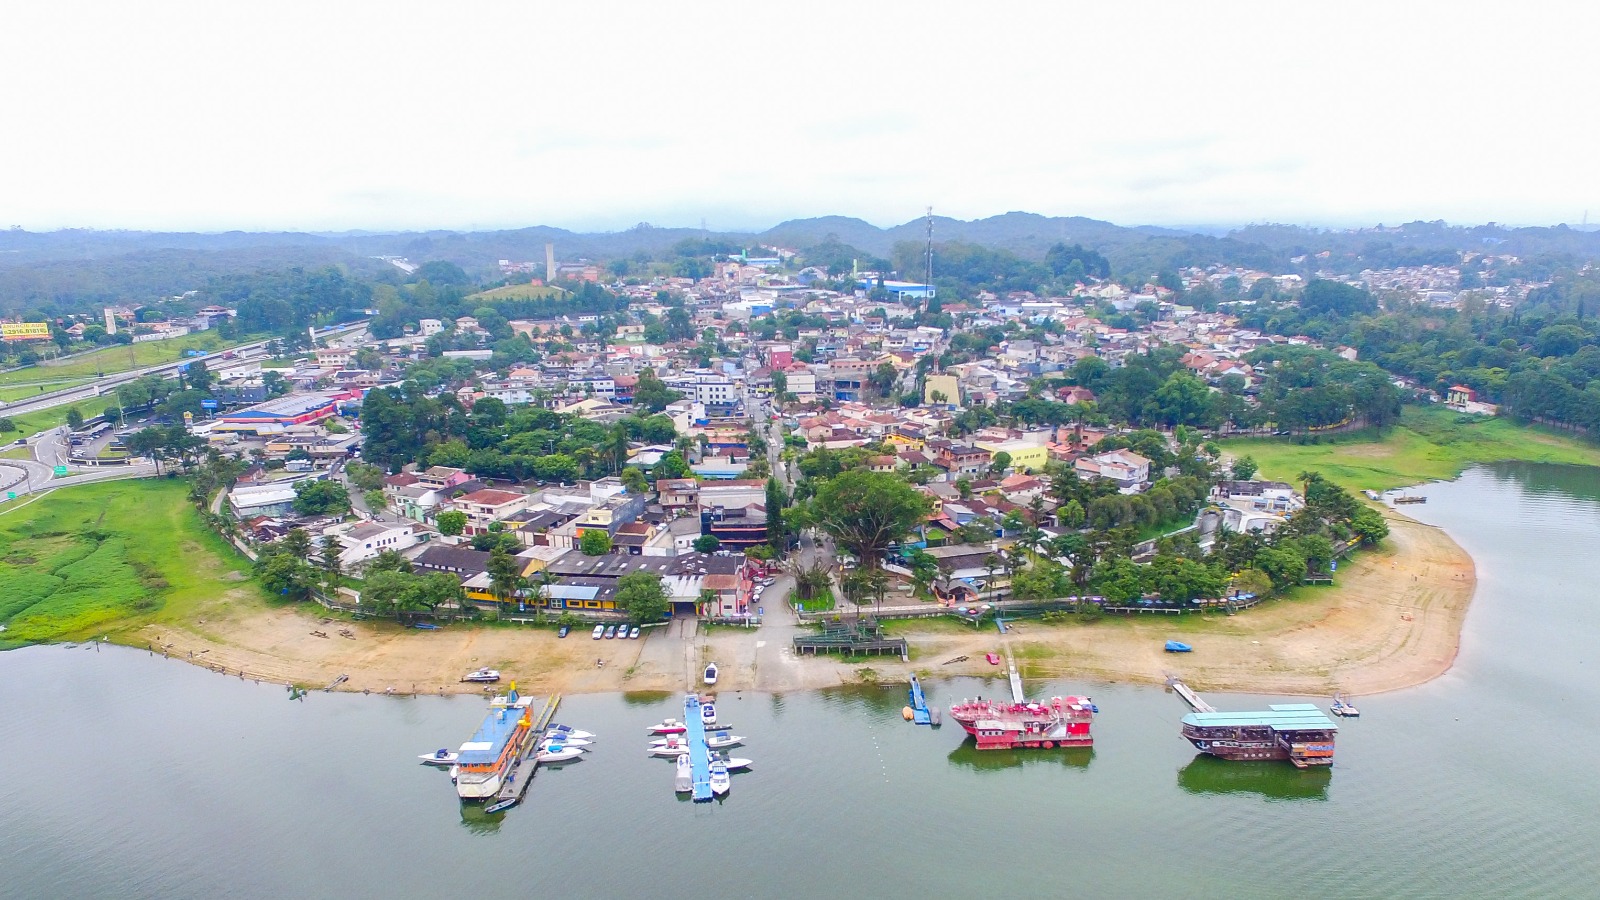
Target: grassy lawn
{"type": "Point", "coordinates": [518, 292]}
{"type": "Point", "coordinates": [10, 393]}
{"type": "Point", "coordinates": [110, 360]}
{"type": "Point", "coordinates": [99, 559]}
{"type": "Point", "coordinates": [1429, 444]}
{"type": "Point", "coordinates": [29, 424]}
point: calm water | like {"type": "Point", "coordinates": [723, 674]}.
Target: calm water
{"type": "Point", "coordinates": [132, 776]}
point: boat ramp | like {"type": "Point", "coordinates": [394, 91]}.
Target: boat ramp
{"type": "Point", "coordinates": [920, 714]}
{"type": "Point", "coordinates": [522, 771]}
{"type": "Point", "coordinates": [1189, 696]}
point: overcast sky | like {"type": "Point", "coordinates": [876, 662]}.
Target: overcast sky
{"type": "Point", "coordinates": [596, 115]}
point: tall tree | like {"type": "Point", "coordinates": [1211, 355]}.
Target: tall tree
{"type": "Point", "coordinates": [866, 512]}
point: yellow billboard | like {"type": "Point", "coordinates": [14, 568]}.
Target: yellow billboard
{"type": "Point", "coordinates": [25, 331]}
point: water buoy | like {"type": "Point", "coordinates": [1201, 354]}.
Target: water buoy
{"type": "Point", "coordinates": [1049, 745]}
{"type": "Point", "coordinates": [909, 715]}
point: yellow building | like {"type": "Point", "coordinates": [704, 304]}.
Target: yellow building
{"type": "Point", "coordinates": [945, 385]}
{"type": "Point", "coordinates": [1024, 457]}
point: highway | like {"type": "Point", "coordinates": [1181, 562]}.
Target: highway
{"type": "Point", "coordinates": [242, 353]}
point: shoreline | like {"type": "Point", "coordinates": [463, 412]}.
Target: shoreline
{"type": "Point", "coordinates": [1393, 621]}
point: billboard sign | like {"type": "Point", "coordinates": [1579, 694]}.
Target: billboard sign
{"type": "Point", "coordinates": [208, 404]}
{"type": "Point", "coordinates": [25, 331]}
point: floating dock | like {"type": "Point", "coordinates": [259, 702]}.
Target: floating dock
{"type": "Point", "coordinates": [919, 704]}
{"type": "Point", "coordinates": [1016, 685]}
{"type": "Point", "coordinates": [699, 756]}
{"type": "Point", "coordinates": [522, 771]}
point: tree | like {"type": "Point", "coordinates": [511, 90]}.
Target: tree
{"type": "Point", "coordinates": [365, 476]}
{"type": "Point", "coordinates": [707, 543]}
{"type": "Point", "coordinates": [634, 481]}
{"type": "Point", "coordinates": [6, 424]}
{"type": "Point", "coordinates": [505, 575]}
{"type": "Point", "coordinates": [594, 542]}
{"type": "Point", "coordinates": [1072, 514]}
{"type": "Point", "coordinates": [451, 522]}
{"type": "Point", "coordinates": [296, 543]}
{"type": "Point", "coordinates": [286, 575]}
{"type": "Point", "coordinates": [332, 565]}
{"type": "Point", "coordinates": [1244, 468]}
{"type": "Point", "coordinates": [776, 501]}
{"type": "Point", "coordinates": [642, 596]}
{"type": "Point", "coordinates": [650, 393]}
{"type": "Point", "coordinates": [74, 419]}
{"type": "Point", "coordinates": [321, 498]}
{"type": "Point", "coordinates": [1117, 579]}
{"type": "Point", "coordinates": [868, 511]}
{"type": "Point", "coordinates": [1000, 463]}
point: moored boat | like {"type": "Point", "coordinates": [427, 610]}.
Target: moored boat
{"type": "Point", "coordinates": [711, 673]}
{"type": "Point", "coordinates": [1343, 707]}
{"type": "Point", "coordinates": [708, 712]}
{"type": "Point", "coordinates": [683, 781]}
{"type": "Point", "coordinates": [720, 782]}
{"type": "Point", "coordinates": [669, 726]}
{"type": "Point", "coordinates": [560, 741]}
{"type": "Point", "coordinates": [669, 747]}
{"type": "Point", "coordinates": [720, 739]}
{"type": "Point", "coordinates": [484, 675]}
{"type": "Point", "coordinates": [559, 753]}
{"type": "Point", "coordinates": [1297, 732]}
{"type": "Point", "coordinates": [735, 764]}
{"type": "Point", "coordinates": [569, 731]}
{"type": "Point", "coordinates": [440, 757]}
{"type": "Point", "coordinates": [1058, 722]}
{"type": "Point", "coordinates": [1178, 647]}
{"type": "Point", "coordinates": [486, 759]}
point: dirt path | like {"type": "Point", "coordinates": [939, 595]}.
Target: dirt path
{"type": "Point", "coordinates": [1394, 621]}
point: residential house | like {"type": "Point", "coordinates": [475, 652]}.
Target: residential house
{"type": "Point", "coordinates": [1125, 467]}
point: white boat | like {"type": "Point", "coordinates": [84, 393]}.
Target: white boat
{"type": "Point", "coordinates": [669, 726]}
{"type": "Point", "coordinates": [708, 712]}
{"type": "Point", "coordinates": [711, 673]}
{"type": "Point", "coordinates": [568, 731]}
{"type": "Point", "coordinates": [559, 753]}
{"type": "Point", "coordinates": [720, 782]}
{"type": "Point", "coordinates": [440, 757]}
{"type": "Point", "coordinates": [721, 739]}
{"type": "Point", "coordinates": [669, 748]}
{"type": "Point", "coordinates": [485, 675]}
{"type": "Point", "coordinates": [560, 741]}
{"type": "Point", "coordinates": [736, 763]}
{"type": "Point", "coordinates": [683, 782]}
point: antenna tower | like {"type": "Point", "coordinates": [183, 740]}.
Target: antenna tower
{"type": "Point", "coordinates": [927, 275]}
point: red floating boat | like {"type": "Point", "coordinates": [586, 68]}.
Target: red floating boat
{"type": "Point", "coordinates": [1059, 722]}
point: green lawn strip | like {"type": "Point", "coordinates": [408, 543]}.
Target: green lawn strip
{"type": "Point", "coordinates": [1429, 444]}
{"type": "Point", "coordinates": [112, 360]}
{"type": "Point", "coordinates": [104, 558]}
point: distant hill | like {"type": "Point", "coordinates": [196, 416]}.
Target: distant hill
{"type": "Point", "coordinates": [72, 269]}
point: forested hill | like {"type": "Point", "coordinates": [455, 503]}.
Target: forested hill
{"type": "Point", "coordinates": [68, 270]}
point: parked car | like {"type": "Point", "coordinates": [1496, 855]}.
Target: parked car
{"type": "Point", "coordinates": [611, 632]}
{"type": "Point", "coordinates": [562, 632]}
{"type": "Point", "coordinates": [633, 633]}
{"type": "Point", "coordinates": [599, 632]}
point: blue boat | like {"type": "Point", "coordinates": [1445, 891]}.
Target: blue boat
{"type": "Point", "coordinates": [426, 626]}
{"type": "Point", "coordinates": [1178, 647]}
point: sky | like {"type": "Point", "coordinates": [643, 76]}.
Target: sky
{"type": "Point", "coordinates": [595, 115]}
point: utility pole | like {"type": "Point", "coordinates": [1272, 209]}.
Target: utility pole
{"type": "Point", "coordinates": [927, 275]}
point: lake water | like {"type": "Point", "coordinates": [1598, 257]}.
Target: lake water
{"type": "Point", "coordinates": [132, 776]}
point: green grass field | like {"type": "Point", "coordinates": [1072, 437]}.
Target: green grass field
{"type": "Point", "coordinates": [1429, 444]}
{"type": "Point", "coordinates": [28, 424]}
{"type": "Point", "coordinates": [517, 292]}
{"type": "Point", "coordinates": [99, 559]}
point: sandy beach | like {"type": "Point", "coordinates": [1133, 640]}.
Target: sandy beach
{"type": "Point", "coordinates": [1393, 621]}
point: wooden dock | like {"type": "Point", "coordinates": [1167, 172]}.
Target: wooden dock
{"type": "Point", "coordinates": [522, 771]}
{"type": "Point", "coordinates": [1016, 685]}
{"type": "Point", "coordinates": [1189, 696]}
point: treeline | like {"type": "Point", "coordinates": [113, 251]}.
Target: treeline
{"type": "Point", "coordinates": [1539, 359]}
{"type": "Point", "coordinates": [496, 441]}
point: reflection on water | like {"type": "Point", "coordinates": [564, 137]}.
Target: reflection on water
{"type": "Point", "coordinates": [476, 821]}
{"type": "Point", "coordinates": [644, 698]}
{"type": "Point", "coordinates": [968, 756]}
{"type": "Point", "coordinates": [1274, 780]}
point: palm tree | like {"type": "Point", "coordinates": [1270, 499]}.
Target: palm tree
{"type": "Point", "coordinates": [993, 564]}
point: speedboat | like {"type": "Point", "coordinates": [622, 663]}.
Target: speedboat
{"type": "Point", "coordinates": [563, 741]}
{"type": "Point", "coordinates": [720, 782]}
{"type": "Point", "coordinates": [683, 782]}
{"type": "Point", "coordinates": [567, 731]}
{"type": "Point", "coordinates": [708, 712]}
{"type": "Point", "coordinates": [669, 726]}
{"type": "Point", "coordinates": [735, 764]}
{"type": "Point", "coordinates": [1343, 707]}
{"type": "Point", "coordinates": [485, 675]}
{"type": "Point", "coordinates": [711, 673]}
{"type": "Point", "coordinates": [443, 756]}
{"type": "Point", "coordinates": [720, 739]}
{"type": "Point", "coordinates": [671, 747]}
{"type": "Point", "coordinates": [558, 753]}
{"type": "Point", "coordinates": [1178, 647]}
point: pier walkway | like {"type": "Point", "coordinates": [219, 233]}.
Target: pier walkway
{"type": "Point", "coordinates": [699, 756]}
{"type": "Point", "coordinates": [919, 704]}
{"type": "Point", "coordinates": [1189, 696]}
{"type": "Point", "coordinates": [1016, 685]}
{"type": "Point", "coordinates": [522, 771]}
